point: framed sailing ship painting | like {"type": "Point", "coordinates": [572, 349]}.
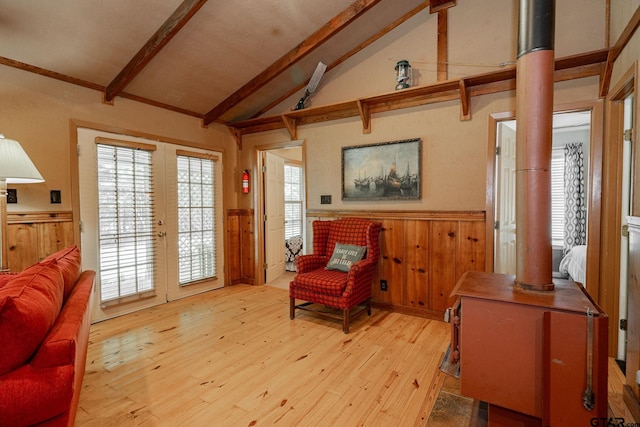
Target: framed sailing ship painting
{"type": "Point", "coordinates": [382, 171]}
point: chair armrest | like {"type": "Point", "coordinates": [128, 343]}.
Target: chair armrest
{"type": "Point", "coordinates": [310, 262]}
{"type": "Point", "coordinates": [360, 275]}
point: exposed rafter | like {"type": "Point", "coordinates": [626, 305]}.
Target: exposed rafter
{"type": "Point", "coordinates": [443, 45]}
{"type": "Point", "coordinates": [153, 46]}
{"type": "Point", "coordinates": [327, 31]}
{"type": "Point", "coordinates": [48, 73]}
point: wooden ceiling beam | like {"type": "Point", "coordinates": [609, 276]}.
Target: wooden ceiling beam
{"type": "Point", "coordinates": [349, 54]}
{"type": "Point", "coordinates": [328, 30]}
{"type": "Point", "coordinates": [48, 73]}
{"type": "Point", "coordinates": [443, 45]}
{"type": "Point", "coordinates": [153, 46]}
{"type": "Point", "coordinates": [440, 5]}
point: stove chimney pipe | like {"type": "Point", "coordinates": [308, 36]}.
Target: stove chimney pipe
{"type": "Point", "coordinates": [534, 118]}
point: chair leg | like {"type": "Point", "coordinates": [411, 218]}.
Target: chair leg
{"type": "Point", "coordinates": [369, 307]}
{"type": "Point", "coordinates": [346, 320]}
{"type": "Point", "coordinates": [292, 308]}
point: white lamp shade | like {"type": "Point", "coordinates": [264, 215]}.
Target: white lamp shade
{"type": "Point", "coordinates": [15, 166]}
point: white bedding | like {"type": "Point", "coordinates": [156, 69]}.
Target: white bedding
{"type": "Point", "coordinates": [574, 263]}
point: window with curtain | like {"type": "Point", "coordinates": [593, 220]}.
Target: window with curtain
{"type": "Point", "coordinates": [293, 197]}
{"type": "Point", "coordinates": [196, 225]}
{"type": "Point", "coordinates": [127, 243]}
{"type": "Point", "coordinates": [575, 232]}
{"type": "Point", "coordinates": [557, 197]}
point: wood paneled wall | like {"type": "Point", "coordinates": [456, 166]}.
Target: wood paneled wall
{"type": "Point", "coordinates": [241, 246]}
{"type": "Point", "coordinates": [34, 236]}
{"type": "Point", "coordinates": [423, 254]}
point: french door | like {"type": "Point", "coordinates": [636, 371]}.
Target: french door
{"type": "Point", "coordinates": [151, 220]}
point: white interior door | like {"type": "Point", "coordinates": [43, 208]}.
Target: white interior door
{"type": "Point", "coordinates": [505, 239]}
{"type": "Point", "coordinates": [624, 235]}
{"type": "Point", "coordinates": [274, 213]}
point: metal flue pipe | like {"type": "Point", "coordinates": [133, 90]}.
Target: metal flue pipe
{"type": "Point", "coordinates": [534, 119]}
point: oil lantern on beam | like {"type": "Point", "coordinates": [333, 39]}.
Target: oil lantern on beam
{"type": "Point", "coordinates": [403, 74]}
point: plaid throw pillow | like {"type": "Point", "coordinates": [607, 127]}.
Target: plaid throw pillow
{"type": "Point", "coordinates": [345, 255]}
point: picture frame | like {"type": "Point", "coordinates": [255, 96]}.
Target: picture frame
{"type": "Point", "coordinates": [382, 171]}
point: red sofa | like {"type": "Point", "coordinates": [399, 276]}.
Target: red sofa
{"type": "Point", "coordinates": [45, 315]}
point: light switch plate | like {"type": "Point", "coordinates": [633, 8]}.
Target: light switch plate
{"type": "Point", "coordinates": [12, 195]}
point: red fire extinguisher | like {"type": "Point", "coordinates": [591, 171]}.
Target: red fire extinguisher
{"type": "Point", "coordinates": [245, 181]}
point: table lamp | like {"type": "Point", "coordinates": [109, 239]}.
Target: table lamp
{"type": "Point", "coordinates": [15, 168]}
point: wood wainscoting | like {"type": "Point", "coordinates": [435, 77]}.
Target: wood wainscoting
{"type": "Point", "coordinates": [32, 236]}
{"type": "Point", "coordinates": [241, 246]}
{"type": "Point", "coordinates": [423, 254]}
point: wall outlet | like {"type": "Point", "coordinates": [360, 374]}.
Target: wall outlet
{"type": "Point", "coordinates": [383, 285]}
{"type": "Point", "coordinates": [325, 199]}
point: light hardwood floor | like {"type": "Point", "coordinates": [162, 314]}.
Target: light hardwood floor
{"type": "Point", "coordinates": [232, 357]}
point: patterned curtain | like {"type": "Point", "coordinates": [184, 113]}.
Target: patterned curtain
{"type": "Point", "coordinates": [575, 232]}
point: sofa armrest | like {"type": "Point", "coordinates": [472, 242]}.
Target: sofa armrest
{"type": "Point", "coordinates": [310, 262]}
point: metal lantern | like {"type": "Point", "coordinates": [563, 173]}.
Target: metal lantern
{"type": "Point", "coordinates": [403, 74]}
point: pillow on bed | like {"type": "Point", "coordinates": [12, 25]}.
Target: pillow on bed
{"type": "Point", "coordinates": [344, 256]}
{"type": "Point", "coordinates": [574, 263]}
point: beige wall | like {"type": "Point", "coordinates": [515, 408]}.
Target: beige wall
{"type": "Point", "coordinates": [37, 111]}
{"type": "Point", "coordinates": [621, 11]}
{"type": "Point", "coordinates": [454, 152]}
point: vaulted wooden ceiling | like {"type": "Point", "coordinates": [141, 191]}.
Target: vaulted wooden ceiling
{"type": "Point", "coordinates": [221, 61]}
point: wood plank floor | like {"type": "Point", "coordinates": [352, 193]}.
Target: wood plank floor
{"type": "Point", "coordinates": [232, 357]}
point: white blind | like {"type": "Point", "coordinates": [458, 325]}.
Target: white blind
{"type": "Point", "coordinates": [293, 188]}
{"type": "Point", "coordinates": [557, 197]}
{"type": "Point", "coordinates": [127, 243]}
{"type": "Point", "coordinates": [196, 213]}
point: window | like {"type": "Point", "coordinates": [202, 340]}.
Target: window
{"type": "Point", "coordinates": [557, 197]}
{"type": "Point", "coordinates": [127, 243]}
{"type": "Point", "coordinates": [293, 189]}
{"type": "Point", "coordinates": [196, 231]}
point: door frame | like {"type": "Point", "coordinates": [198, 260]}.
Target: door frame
{"type": "Point", "coordinates": [74, 169]}
{"type": "Point", "coordinates": [611, 198]}
{"type": "Point", "coordinates": [259, 198]}
{"type": "Point", "coordinates": [595, 181]}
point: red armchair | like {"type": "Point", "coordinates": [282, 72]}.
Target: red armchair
{"type": "Point", "coordinates": [341, 290]}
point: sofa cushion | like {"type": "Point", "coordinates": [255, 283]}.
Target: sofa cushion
{"type": "Point", "coordinates": [29, 306]}
{"type": "Point", "coordinates": [69, 262]}
{"type": "Point", "coordinates": [322, 281]}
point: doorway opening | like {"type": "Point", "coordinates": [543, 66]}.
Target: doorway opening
{"type": "Point", "coordinates": [569, 181]}
{"type": "Point", "coordinates": [282, 211]}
